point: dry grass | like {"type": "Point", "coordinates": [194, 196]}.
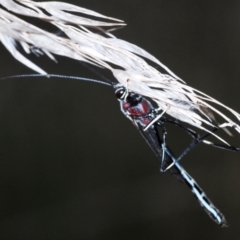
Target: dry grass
{"type": "Point", "coordinates": [89, 40]}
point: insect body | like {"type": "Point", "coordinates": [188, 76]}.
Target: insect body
{"type": "Point", "coordinates": [141, 112]}
{"type": "Point", "coordinates": [148, 119]}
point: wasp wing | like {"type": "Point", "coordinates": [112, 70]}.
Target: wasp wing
{"type": "Point", "coordinates": [152, 137]}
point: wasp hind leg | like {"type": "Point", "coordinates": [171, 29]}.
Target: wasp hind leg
{"type": "Point", "coordinates": [199, 139]}
{"type": "Point", "coordinates": [163, 146]}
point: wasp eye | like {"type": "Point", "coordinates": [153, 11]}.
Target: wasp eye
{"type": "Point", "coordinates": [120, 93]}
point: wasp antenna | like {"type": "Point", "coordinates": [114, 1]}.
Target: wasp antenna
{"type": "Point", "coordinates": [90, 68]}
{"type": "Point", "coordinates": [108, 83]}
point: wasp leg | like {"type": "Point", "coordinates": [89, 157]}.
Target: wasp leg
{"type": "Point", "coordinates": [204, 201]}
{"type": "Point", "coordinates": [163, 146]}
{"type": "Point", "coordinates": [197, 136]}
{"type": "Point", "coordinates": [178, 171]}
{"type": "Point", "coordinates": [190, 147]}
{"type": "Point", "coordinates": [188, 130]}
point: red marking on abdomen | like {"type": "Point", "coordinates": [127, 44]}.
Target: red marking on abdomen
{"type": "Point", "coordinates": [141, 109]}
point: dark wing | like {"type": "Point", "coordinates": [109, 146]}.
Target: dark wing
{"type": "Point", "coordinates": [151, 136]}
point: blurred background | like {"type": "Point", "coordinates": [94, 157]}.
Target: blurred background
{"type": "Point", "coordinates": [73, 167]}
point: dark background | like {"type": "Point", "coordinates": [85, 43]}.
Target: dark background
{"type": "Point", "coordinates": [73, 167]}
